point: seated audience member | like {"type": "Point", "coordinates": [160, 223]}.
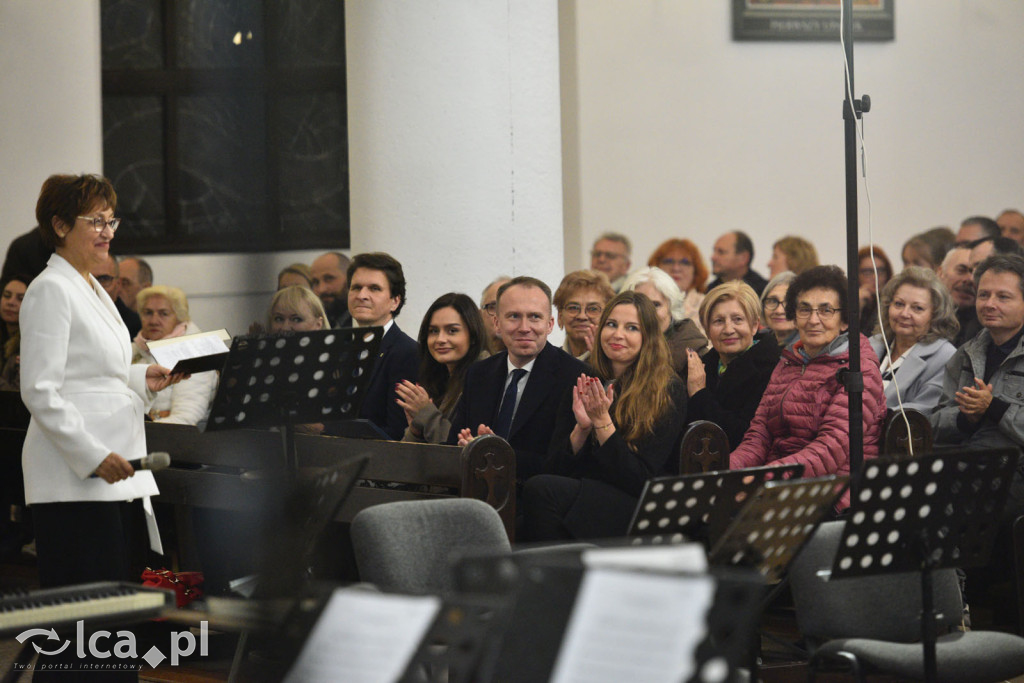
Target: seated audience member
{"type": "Point", "coordinates": [726, 386]}
{"type": "Point", "coordinates": [773, 309]}
{"type": "Point", "coordinates": [108, 274]}
{"type": "Point", "coordinates": [680, 332]}
{"type": "Point", "coordinates": [986, 246]}
{"type": "Point", "coordinates": [295, 274]}
{"type": "Point", "coordinates": [803, 416]}
{"type": "Point", "coordinates": [956, 275]}
{"type": "Point", "coordinates": [609, 441]}
{"type": "Point", "coordinates": [981, 405]}
{"type": "Point", "coordinates": [296, 309]}
{"type": "Point", "coordinates": [681, 259]}
{"type": "Point", "coordinates": [26, 255]}
{"type": "Point", "coordinates": [731, 260]}
{"type": "Point", "coordinates": [579, 300]}
{"type": "Point", "coordinates": [452, 337]}
{"type": "Point", "coordinates": [515, 394]}
{"type": "Point", "coordinates": [329, 280]}
{"type": "Point", "coordinates": [975, 228]}
{"type": "Point", "coordinates": [134, 275]}
{"type": "Point", "coordinates": [928, 248]}
{"type": "Point", "coordinates": [164, 314]}
{"type": "Point", "coordinates": [488, 311]}
{"type": "Point", "coordinates": [919, 321]}
{"type": "Point", "coordinates": [869, 287]}
{"type": "Point", "coordinates": [10, 331]}
{"type": "Point", "coordinates": [376, 295]}
{"type": "Point", "coordinates": [610, 255]}
{"type": "Point", "coordinates": [792, 253]}
{"type": "Point", "coordinates": [1011, 225]}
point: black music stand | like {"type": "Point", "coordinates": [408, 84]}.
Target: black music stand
{"type": "Point", "coordinates": [925, 514]}
{"type": "Point", "coordinates": [698, 507]}
{"type": "Point", "coordinates": [293, 378]}
{"type": "Point", "coordinates": [776, 522]}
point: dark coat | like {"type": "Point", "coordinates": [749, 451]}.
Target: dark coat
{"type": "Point", "coordinates": [553, 373]}
{"type": "Point", "coordinates": [397, 359]}
{"type": "Point", "coordinates": [596, 511]}
{"type": "Point", "coordinates": [730, 399]}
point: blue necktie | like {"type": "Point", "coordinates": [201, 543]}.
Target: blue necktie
{"type": "Point", "coordinates": [503, 425]}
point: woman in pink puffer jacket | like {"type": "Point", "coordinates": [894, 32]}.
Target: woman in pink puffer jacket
{"type": "Point", "coordinates": [803, 416]}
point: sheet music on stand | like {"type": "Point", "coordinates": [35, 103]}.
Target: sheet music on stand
{"type": "Point", "coordinates": [929, 513]}
{"type": "Point", "coordinates": [652, 624]}
{"type": "Point", "coordinates": [698, 506]}
{"type": "Point", "coordinates": [776, 522]}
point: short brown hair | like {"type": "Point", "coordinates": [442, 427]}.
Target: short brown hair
{"type": "Point", "coordinates": [526, 281]}
{"type": "Point", "coordinates": [581, 280]}
{"type": "Point", "coordinates": [66, 197]}
{"type": "Point", "coordinates": [800, 254]}
{"type": "Point", "coordinates": [387, 264]}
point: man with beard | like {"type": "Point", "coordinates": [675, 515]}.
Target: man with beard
{"type": "Point", "coordinates": [330, 283]}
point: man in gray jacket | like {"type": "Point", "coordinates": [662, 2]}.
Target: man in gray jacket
{"type": "Point", "coordinates": [982, 403]}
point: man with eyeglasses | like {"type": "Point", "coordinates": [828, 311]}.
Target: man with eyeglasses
{"type": "Point", "coordinates": [108, 275]}
{"type": "Point", "coordinates": [610, 255]}
{"type": "Point", "coordinates": [580, 299]}
{"type": "Point", "coordinates": [489, 311]}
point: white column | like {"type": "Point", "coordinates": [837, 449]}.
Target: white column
{"type": "Point", "coordinates": [454, 141]}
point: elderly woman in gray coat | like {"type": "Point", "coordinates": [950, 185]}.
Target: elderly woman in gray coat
{"type": "Point", "coordinates": [918, 322]}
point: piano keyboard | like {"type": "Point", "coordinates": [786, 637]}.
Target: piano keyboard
{"type": "Point", "coordinates": [107, 601]}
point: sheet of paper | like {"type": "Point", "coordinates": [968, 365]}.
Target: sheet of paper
{"type": "Point", "coordinates": [167, 352]}
{"type": "Point", "coordinates": [634, 626]}
{"type": "Point", "coordinates": [364, 637]}
{"type": "Point", "coordinates": [685, 557]}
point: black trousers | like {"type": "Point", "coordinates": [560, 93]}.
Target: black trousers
{"type": "Point", "coordinates": [557, 508]}
{"type": "Point", "coordinates": [77, 543]}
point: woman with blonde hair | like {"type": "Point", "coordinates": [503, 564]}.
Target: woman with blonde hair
{"type": "Point", "coordinates": [792, 253]}
{"type": "Point", "coordinates": [681, 259]}
{"type": "Point", "coordinates": [726, 386]}
{"type": "Point", "coordinates": [164, 314]}
{"type": "Point", "coordinates": [614, 431]}
{"type": "Point", "coordinates": [296, 309]}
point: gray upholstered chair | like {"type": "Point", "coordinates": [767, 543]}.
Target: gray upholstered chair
{"type": "Point", "coordinates": [409, 546]}
{"type": "Point", "coordinates": [873, 623]}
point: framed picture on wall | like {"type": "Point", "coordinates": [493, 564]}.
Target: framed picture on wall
{"type": "Point", "coordinates": [810, 20]}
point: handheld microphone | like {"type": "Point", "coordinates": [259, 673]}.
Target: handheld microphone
{"type": "Point", "coordinates": [152, 462]}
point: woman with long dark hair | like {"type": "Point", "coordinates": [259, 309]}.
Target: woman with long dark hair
{"type": "Point", "coordinates": [615, 430]}
{"type": "Point", "coordinates": [452, 337]}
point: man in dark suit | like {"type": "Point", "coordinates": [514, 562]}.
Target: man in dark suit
{"type": "Point", "coordinates": [499, 398]}
{"type": "Point", "coordinates": [376, 294]}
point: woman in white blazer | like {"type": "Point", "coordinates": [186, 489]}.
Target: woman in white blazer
{"type": "Point", "coordinates": [85, 397]}
{"type": "Point", "coordinates": [919, 320]}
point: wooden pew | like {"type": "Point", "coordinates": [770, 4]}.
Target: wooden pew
{"type": "Point", "coordinates": [233, 469]}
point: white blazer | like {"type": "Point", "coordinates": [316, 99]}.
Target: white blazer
{"type": "Point", "coordinates": [85, 396]}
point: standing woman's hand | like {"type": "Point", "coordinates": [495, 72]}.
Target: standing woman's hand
{"type": "Point", "coordinates": [158, 378]}
{"type": "Point", "coordinates": [113, 469]}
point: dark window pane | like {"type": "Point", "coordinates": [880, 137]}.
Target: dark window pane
{"type": "Point", "coordinates": [133, 159]}
{"type": "Point", "coordinates": [132, 31]}
{"type": "Point", "coordinates": [221, 149]}
{"type": "Point", "coordinates": [312, 148]}
{"type": "Point", "coordinates": [219, 33]}
{"type": "Point", "coordinates": [307, 32]}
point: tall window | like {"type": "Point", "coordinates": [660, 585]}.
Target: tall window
{"type": "Point", "coordinates": [224, 124]}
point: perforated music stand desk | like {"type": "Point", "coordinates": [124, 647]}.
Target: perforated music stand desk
{"type": "Point", "coordinates": [700, 506]}
{"type": "Point", "coordinates": [929, 513]}
{"type": "Point", "coordinates": [293, 378]}
{"type": "Point", "coordinates": [776, 522]}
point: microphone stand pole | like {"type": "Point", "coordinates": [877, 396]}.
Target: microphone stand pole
{"type": "Point", "coordinates": [852, 378]}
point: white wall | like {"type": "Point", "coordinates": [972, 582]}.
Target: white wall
{"type": "Point", "coordinates": [682, 132]}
